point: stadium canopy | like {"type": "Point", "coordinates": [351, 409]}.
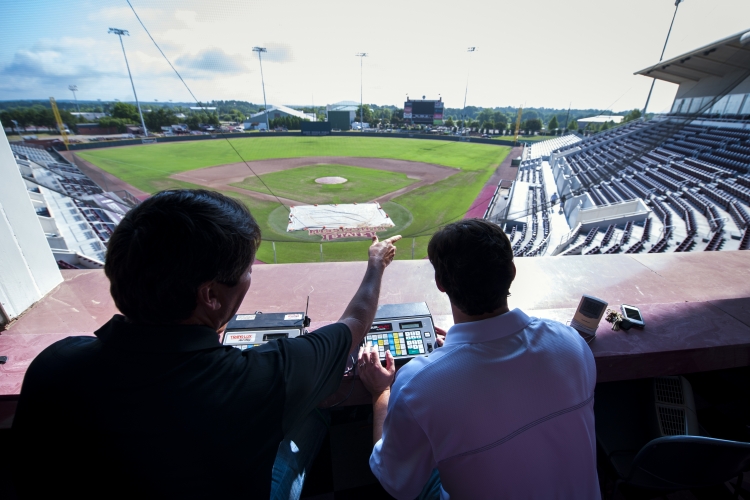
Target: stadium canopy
{"type": "Point", "coordinates": [283, 109]}
{"type": "Point", "coordinates": [717, 59]}
{"type": "Point", "coordinates": [600, 119]}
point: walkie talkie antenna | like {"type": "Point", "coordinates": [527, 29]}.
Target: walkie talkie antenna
{"type": "Point", "coordinates": [306, 321]}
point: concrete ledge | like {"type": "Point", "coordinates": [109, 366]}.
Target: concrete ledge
{"type": "Point", "coordinates": [696, 306]}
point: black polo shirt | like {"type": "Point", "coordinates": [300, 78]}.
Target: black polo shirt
{"type": "Point", "coordinates": [167, 411]}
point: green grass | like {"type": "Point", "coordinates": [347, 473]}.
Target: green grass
{"type": "Point", "coordinates": [417, 214]}
{"type": "Point", "coordinates": [148, 167]}
{"type": "Point", "coordinates": [363, 184]}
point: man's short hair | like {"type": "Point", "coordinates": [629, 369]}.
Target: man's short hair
{"type": "Point", "coordinates": [473, 262]}
{"type": "Point", "coordinates": [170, 244]}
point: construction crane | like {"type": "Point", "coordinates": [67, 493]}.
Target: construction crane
{"type": "Point", "coordinates": [60, 124]}
{"type": "Point", "coordinates": [518, 124]}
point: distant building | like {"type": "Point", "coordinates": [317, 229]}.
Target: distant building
{"type": "Point", "coordinates": [89, 117]}
{"type": "Point", "coordinates": [95, 129]}
{"type": "Point", "coordinates": [342, 114]}
{"type": "Point", "coordinates": [257, 121]}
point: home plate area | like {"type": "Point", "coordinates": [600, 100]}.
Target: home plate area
{"type": "Point", "coordinates": [333, 222]}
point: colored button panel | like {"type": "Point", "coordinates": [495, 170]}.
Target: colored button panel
{"type": "Point", "coordinates": [407, 343]}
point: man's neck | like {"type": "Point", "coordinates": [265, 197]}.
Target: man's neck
{"type": "Point", "coordinates": [461, 317]}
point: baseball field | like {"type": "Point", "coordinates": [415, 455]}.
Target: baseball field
{"type": "Point", "coordinates": [422, 184]}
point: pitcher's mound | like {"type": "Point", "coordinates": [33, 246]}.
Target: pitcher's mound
{"type": "Point", "coordinates": [330, 180]}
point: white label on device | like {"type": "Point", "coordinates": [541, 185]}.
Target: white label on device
{"type": "Point", "coordinates": [288, 317]}
{"type": "Point", "coordinates": [245, 317]}
{"type": "Point", "coordinates": [235, 338]}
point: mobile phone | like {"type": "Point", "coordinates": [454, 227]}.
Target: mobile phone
{"type": "Point", "coordinates": [633, 314]}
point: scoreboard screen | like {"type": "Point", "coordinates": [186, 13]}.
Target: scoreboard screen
{"type": "Point", "coordinates": [424, 112]}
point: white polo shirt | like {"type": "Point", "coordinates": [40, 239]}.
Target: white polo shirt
{"type": "Point", "coordinates": [505, 409]}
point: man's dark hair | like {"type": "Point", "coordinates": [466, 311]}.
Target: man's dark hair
{"type": "Point", "coordinates": [170, 244]}
{"type": "Point", "coordinates": [473, 261]}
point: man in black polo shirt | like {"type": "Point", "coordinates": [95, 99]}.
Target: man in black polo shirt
{"type": "Point", "coordinates": [154, 405]}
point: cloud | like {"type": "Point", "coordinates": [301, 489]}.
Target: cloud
{"type": "Point", "coordinates": [213, 60]}
{"type": "Point", "coordinates": [50, 60]}
{"type": "Point", "coordinates": [278, 52]}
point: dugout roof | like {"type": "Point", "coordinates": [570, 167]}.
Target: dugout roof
{"type": "Point", "coordinates": [716, 59]}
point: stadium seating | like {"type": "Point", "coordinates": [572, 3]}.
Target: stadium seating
{"type": "Point", "coordinates": [542, 149]}
{"type": "Point", "coordinates": [71, 181]}
{"type": "Point", "coordinates": [699, 171]}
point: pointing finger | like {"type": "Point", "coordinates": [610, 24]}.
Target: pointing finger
{"type": "Point", "coordinates": [393, 239]}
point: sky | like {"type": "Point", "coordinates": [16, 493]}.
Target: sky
{"type": "Point", "coordinates": [545, 53]}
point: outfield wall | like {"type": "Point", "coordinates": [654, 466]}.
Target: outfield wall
{"type": "Point", "coordinates": [135, 142]}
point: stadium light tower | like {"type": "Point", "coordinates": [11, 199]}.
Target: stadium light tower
{"type": "Point", "coordinates": [653, 81]}
{"type": "Point", "coordinates": [119, 33]}
{"type": "Point", "coordinates": [74, 89]}
{"type": "Point", "coordinates": [466, 92]}
{"type": "Point", "coordinates": [259, 50]}
{"type": "Point", "coordinates": [361, 56]}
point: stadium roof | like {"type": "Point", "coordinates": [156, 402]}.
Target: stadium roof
{"type": "Point", "coordinates": [716, 59]}
{"type": "Point", "coordinates": [601, 119]}
{"type": "Point", "coordinates": [283, 109]}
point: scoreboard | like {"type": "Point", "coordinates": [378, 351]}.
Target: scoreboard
{"type": "Point", "coordinates": [425, 112]}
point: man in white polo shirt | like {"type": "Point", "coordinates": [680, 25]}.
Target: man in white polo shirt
{"type": "Point", "coordinates": [505, 409]}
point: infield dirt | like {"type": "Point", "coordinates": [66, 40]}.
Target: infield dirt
{"type": "Point", "coordinates": [222, 176]}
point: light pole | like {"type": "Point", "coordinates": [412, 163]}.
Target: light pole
{"type": "Point", "coordinates": [466, 92]}
{"type": "Point", "coordinates": [361, 56]}
{"type": "Point", "coordinates": [119, 33]}
{"type": "Point", "coordinates": [653, 81]}
{"type": "Point", "coordinates": [262, 82]}
{"type": "Point", "coordinates": [74, 89]}
{"type": "Point", "coordinates": [18, 129]}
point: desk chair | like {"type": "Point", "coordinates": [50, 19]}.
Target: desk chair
{"type": "Point", "coordinates": [641, 455]}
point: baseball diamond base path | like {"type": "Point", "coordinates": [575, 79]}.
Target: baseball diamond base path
{"type": "Point", "coordinates": [220, 177]}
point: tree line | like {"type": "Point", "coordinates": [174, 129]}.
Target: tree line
{"type": "Point", "coordinates": [121, 114]}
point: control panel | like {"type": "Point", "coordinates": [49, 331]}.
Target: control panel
{"type": "Point", "coordinates": [406, 330]}
{"type": "Point", "coordinates": [246, 331]}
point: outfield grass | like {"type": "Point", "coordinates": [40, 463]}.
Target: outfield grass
{"type": "Point", "coordinates": [299, 184]}
{"type": "Point", "coordinates": [417, 214]}
{"type": "Point", "coordinates": [148, 167]}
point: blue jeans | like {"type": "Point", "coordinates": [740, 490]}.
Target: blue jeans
{"type": "Point", "coordinates": [431, 490]}
{"type": "Point", "coordinates": [298, 450]}
{"type": "Point", "coordinates": [296, 454]}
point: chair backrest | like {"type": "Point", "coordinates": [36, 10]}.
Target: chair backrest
{"type": "Point", "coordinates": [677, 462]}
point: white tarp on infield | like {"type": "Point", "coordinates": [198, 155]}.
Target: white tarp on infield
{"type": "Point", "coordinates": [348, 216]}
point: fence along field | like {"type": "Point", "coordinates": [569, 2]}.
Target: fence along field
{"type": "Point", "coordinates": [417, 213]}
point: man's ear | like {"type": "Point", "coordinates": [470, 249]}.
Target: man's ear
{"type": "Point", "coordinates": [207, 296]}
{"type": "Point", "coordinates": [439, 286]}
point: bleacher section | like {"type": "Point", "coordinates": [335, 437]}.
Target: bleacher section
{"type": "Point", "coordinates": [694, 177]}
{"type": "Point", "coordinates": [79, 211]}
{"type": "Point", "coordinates": [542, 149]}
{"type": "Point", "coordinates": [536, 212]}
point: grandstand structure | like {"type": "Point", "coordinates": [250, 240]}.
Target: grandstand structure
{"type": "Point", "coordinates": [76, 215]}
{"type": "Point", "coordinates": [677, 183]}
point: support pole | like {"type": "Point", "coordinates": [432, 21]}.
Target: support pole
{"type": "Point", "coordinates": [653, 81]}
{"type": "Point", "coordinates": [273, 243]}
{"type": "Point", "coordinates": [321, 252]}
{"type": "Point", "coordinates": [412, 248]}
